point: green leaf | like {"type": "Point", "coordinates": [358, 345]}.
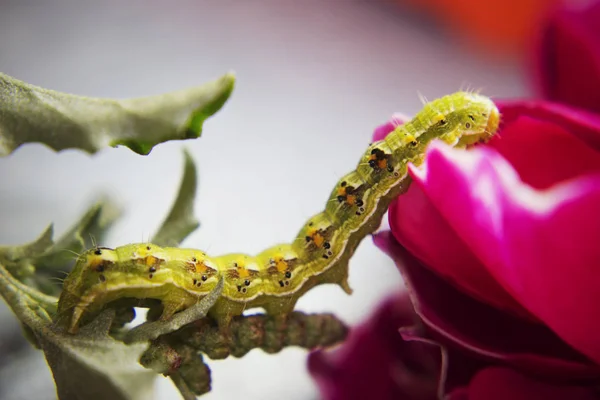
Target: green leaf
{"type": "Point", "coordinates": [30, 114]}
{"type": "Point", "coordinates": [14, 254]}
{"type": "Point", "coordinates": [92, 224]}
{"type": "Point", "coordinates": [181, 220]}
{"type": "Point", "coordinates": [25, 302]}
{"type": "Point", "coordinates": [90, 365]}
{"type": "Point", "coordinates": [18, 259]}
{"type": "Point", "coordinates": [152, 330]}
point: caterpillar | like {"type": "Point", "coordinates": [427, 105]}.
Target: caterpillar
{"type": "Point", "coordinates": [276, 278]}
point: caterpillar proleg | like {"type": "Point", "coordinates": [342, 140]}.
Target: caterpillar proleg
{"type": "Point", "coordinates": [276, 278]}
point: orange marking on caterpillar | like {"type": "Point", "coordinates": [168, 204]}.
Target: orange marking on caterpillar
{"type": "Point", "coordinates": [281, 265]}
{"type": "Point", "coordinates": [318, 239]}
{"type": "Point", "coordinates": [243, 272]}
{"type": "Point", "coordinates": [151, 260]}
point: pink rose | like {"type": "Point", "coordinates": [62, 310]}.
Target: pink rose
{"type": "Point", "coordinates": [500, 250]}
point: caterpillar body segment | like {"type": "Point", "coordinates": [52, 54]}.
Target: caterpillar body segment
{"type": "Point", "coordinates": [276, 278]}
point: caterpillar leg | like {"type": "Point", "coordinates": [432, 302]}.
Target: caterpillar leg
{"type": "Point", "coordinates": [224, 323]}
{"type": "Point", "coordinates": [280, 306]}
{"type": "Point", "coordinates": [77, 315]}
{"type": "Point", "coordinates": [280, 310]}
{"type": "Point", "coordinates": [170, 306]}
{"type": "Point", "coordinates": [168, 310]}
{"type": "Point", "coordinates": [223, 312]}
{"type": "Point", "coordinates": [451, 137]}
{"type": "Point", "coordinates": [345, 285]}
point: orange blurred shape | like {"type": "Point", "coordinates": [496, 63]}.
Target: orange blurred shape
{"type": "Point", "coordinates": [499, 25]}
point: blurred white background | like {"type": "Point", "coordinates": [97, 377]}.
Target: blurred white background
{"type": "Point", "coordinates": [313, 80]}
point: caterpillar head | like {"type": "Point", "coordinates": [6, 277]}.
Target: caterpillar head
{"type": "Point", "coordinates": [460, 119]}
{"type": "Point", "coordinates": [478, 119]}
{"type": "Point", "coordinates": [90, 269]}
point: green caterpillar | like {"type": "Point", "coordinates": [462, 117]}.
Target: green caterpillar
{"type": "Point", "coordinates": [276, 278]}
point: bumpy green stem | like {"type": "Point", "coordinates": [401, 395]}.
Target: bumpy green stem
{"type": "Point", "coordinates": [268, 333]}
{"type": "Point", "coordinates": [178, 354]}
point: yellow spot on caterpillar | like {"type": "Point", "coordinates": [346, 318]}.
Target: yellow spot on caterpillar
{"type": "Point", "coordinates": [201, 267]}
{"type": "Point", "coordinates": [94, 262]}
{"type": "Point", "coordinates": [242, 271]}
{"type": "Point", "coordinates": [151, 260]}
{"type": "Point", "coordinates": [439, 117]}
{"type": "Point", "coordinates": [408, 139]}
{"type": "Point", "coordinates": [281, 265]}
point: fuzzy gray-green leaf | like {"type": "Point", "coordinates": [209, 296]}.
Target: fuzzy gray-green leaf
{"type": "Point", "coordinates": [30, 114]}
{"type": "Point", "coordinates": [90, 365]}
{"type": "Point", "coordinates": [9, 254]}
{"type": "Point", "coordinates": [92, 224]}
{"type": "Point", "coordinates": [21, 301]}
{"type": "Point", "coordinates": [152, 330]}
{"type": "Point", "coordinates": [181, 220]}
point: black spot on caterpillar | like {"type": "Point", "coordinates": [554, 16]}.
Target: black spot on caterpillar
{"type": "Point", "coordinates": [276, 278]}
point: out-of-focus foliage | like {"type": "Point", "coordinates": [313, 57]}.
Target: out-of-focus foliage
{"type": "Point", "coordinates": [32, 114]}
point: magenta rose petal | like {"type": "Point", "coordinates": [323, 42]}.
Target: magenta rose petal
{"type": "Point", "coordinates": [498, 383]}
{"type": "Point", "coordinates": [421, 229]}
{"type": "Point", "coordinates": [567, 61]}
{"type": "Point", "coordinates": [581, 124]}
{"type": "Point", "coordinates": [456, 368]}
{"type": "Point", "coordinates": [542, 246]}
{"type": "Point", "coordinates": [375, 362]}
{"type": "Point", "coordinates": [480, 329]}
{"type": "Point", "coordinates": [438, 245]}
{"type": "Point", "coordinates": [544, 153]}
{"type": "Point", "coordinates": [458, 394]}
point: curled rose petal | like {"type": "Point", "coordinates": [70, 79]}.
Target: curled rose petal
{"type": "Point", "coordinates": [497, 383]}
{"type": "Point", "coordinates": [424, 232]}
{"type": "Point", "coordinates": [544, 153]}
{"type": "Point", "coordinates": [440, 245]}
{"type": "Point", "coordinates": [458, 320]}
{"type": "Point", "coordinates": [540, 245]}
{"type": "Point", "coordinates": [581, 124]}
{"type": "Point", "coordinates": [375, 362]}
